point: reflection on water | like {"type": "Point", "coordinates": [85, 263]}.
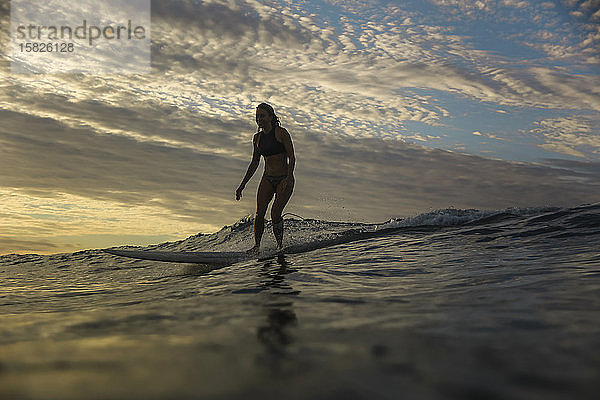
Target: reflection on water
{"type": "Point", "coordinates": [275, 334]}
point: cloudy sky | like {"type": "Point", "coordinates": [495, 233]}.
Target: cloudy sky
{"type": "Point", "coordinates": [395, 108]}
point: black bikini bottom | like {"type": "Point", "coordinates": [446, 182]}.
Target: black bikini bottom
{"type": "Point", "coordinates": [275, 180]}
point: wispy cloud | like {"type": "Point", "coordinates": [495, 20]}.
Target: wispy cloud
{"type": "Point", "coordinates": [253, 51]}
{"type": "Point", "coordinates": [574, 136]}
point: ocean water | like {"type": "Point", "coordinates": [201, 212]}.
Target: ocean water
{"type": "Point", "coordinates": [451, 304]}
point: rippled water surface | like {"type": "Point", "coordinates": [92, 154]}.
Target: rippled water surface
{"type": "Point", "coordinates": [450, 304]}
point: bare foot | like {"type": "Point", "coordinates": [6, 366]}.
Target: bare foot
{"type": "Point", "coordinates": [253, 250]}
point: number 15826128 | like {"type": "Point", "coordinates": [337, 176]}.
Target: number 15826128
{"type": "Point", "coordinates": [36, 47]}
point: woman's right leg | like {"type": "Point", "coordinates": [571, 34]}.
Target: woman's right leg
{"type": "Point", "coordinates": [263, 197]}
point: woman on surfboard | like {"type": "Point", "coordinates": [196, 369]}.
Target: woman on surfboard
{"type": "Point", "coordinates": [274, 143]}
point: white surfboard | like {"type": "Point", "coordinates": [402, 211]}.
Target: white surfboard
{"type": "Point", "coordinates": [200, 257]}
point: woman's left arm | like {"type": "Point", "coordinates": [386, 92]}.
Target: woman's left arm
{"type": "Point", "coordinates": [289, 149]}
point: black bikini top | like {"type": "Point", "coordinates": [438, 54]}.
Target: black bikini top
{"type": "Point", "coordinates": [268, 144]}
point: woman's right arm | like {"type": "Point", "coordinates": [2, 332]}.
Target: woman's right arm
{"type": "Point", "coordinates": [251, 169]}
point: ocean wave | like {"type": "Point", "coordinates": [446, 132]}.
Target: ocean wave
{"type": "Point", "coordinates": [305, 234]}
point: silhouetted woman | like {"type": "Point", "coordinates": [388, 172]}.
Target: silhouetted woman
{"type": "Point", "coordinates": [275, 144]}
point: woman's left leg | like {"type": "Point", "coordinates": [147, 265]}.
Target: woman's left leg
{"type": "Point", "coordinates": [282, 196]}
